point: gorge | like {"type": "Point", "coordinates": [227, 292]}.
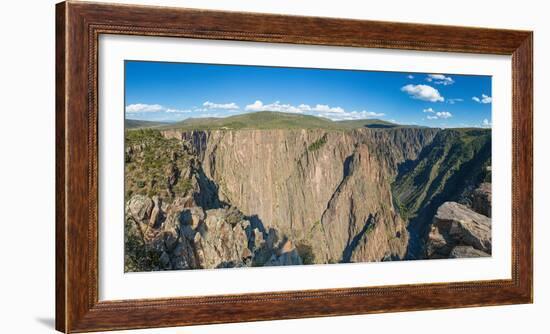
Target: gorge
{"type": "Point", "coordinates": [272, 189]}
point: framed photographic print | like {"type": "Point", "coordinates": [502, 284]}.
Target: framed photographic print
{"type": "Point", "coordinates": [221, 166]}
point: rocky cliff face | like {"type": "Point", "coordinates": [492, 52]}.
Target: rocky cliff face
{"type": "Point", "coordinates": [176, 220]}
{"type": "Point", "coordinates": [235, 198]}
{"type": "Point", "coordinates": [328, 190]}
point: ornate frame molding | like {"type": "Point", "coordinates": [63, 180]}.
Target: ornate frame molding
{"type": "Point", "coordinates": [78, 27]}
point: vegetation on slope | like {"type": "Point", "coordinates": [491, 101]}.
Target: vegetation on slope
{"type": "Point", "coordinates": [154, 163]}
{"type": "Point", "coordinates": [456, 161]}
{"type": "Point", "coordinates": [138, 257]}
{"type": "Point", "coordinates": [317, 144]}
{"type": "Point", "coordinates": [448, 169]}
{"type": "Point", "coordinates": [368, 123]}
{"type": "Point", "coordinates": [275, 120]}
{"type": "Point", "coordinates": [131, 124]}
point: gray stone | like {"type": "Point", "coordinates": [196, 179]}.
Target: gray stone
{"type": "Point", "coordinates": [456, 224]}
{"type": "Point", "coordinates": [466, 252]}
{"type": "Point", "coordinates": [140, 207]}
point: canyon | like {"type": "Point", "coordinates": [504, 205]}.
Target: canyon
{"type": "Point", "coordinates": [238, 196]}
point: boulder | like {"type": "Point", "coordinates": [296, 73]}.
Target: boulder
{"type": "Point", "coordinates": [457, 225]}
{"type": "Point", "coordinates": [466, 252]}
{"type": "Point", "coordinates": [140, 207]}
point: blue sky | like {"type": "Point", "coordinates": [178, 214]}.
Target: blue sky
{"type": "Point", "coordinates": [162, 91]}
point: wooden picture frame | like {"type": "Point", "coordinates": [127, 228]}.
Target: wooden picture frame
{"type": "Point", "coordinates": [78, 26]}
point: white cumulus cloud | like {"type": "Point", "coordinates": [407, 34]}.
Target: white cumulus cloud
{"type": "Point", "coordinates": [320, 110]}
{"type": "Point", "coordinates": [423, 92]}
{"type": "Point", "coordinates": [428, 110]}
{"type": "Point", "coordinates": [440, 115]}
{"type": "Point", "coordinates": [148, 108]}
{"type": "Point", "coordinates": [326, 108]}
{"type": "Point", "coordinates": [220, 106]}
{"type": "Point", "coordinates": [410, 76]}
{"type": "Point", "coordinates": [142, 107]}
{"type": "Point", "coordinates": [351, 115]}
{"type": "Point", "coordinates": [282, 107]}
{"type": "Point", "coordinates": [443, 114]}
{"type": "Point", "coordinates": [256, 106]}
{"type": "Point", "coordinates": [178, 111]}
{"type": "Point", "coordinates": [276, 106]}
{"type": "Point", "coordinates": [483, 99]}
{"type": "Point", "coordinates": [440, 79]}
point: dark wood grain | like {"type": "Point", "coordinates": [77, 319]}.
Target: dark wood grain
{"type": "Point", "coordinates": [522, 166]}
{"type": "Point", "coordinates": [78, 27]}
{"type": "Point", "coordinates": [60, 226]}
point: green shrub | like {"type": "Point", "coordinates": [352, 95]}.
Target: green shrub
{"type": "Point", "coordinates": [137, 256]}
{"type": "Point", "coordinates": [317, 144]}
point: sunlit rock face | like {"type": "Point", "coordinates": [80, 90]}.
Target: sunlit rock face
{"type": "Point", "coordinates": [262, 197]}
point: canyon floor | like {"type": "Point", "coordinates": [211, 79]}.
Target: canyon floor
{"type": "Point", "coordinates": [270, 189]}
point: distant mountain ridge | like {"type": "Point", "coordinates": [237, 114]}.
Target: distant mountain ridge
{"type": "Point", "coordinates": [266, 120]}
{"type": "Point", "coordinates": [139, 124]}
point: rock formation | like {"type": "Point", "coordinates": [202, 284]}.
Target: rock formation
{"type": "Point", "coordinates": [235, 198]}
{"type": "Point", "coordinates": [457, 231]}
{"type": "Point", "coordinates": [482, 198]}
{"type": "Point", "coordinates": [327, 195]}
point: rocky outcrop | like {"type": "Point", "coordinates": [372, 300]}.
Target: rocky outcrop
{"type": "Point", "coordinates": [191, 238]}
{"type": "Point", "coordinates": [458, 231]}
{"type": "Point", "coordinates": [221, 241]}
{"type": "Point", "coordinates": [482, 198]}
